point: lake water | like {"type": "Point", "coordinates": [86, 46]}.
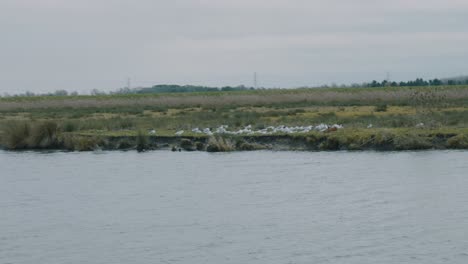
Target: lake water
{"type": "Point", "coordinates": [244, 207]}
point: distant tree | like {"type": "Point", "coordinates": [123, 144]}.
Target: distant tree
{"type": "Point", "coordinates": [97, 92]}
{"type": "Point", "coordinates": [374, 83]}
{"type": "Point", "coordinates": [60, 93]}
{"type": "Point", "coordinates": [124, 90]}
{"type": "Point", "coordinates": [227, 88]}
{"type": "Point", "coordinates": [435, 82]}
{"type": "Point", "coordinates": [170, 88]}
{"type": "Point", "coordinates": [28, 93]}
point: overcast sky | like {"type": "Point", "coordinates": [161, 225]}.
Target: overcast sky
{"type": "Point", "coordinates": [81, 45]}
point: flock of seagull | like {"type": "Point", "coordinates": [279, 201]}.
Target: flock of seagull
{"type": "Point", "coordinates": [265, 131]}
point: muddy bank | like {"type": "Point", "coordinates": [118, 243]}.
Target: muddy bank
{"type": "Point", "coordinates": [384, 140]}
{"type": "Point", "coordinates": [313, 142]}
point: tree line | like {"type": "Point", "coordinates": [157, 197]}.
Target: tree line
{"type": "Point", "coordinates": [172, 88]}
{"type": "Point", "coordinates": [418, 82]}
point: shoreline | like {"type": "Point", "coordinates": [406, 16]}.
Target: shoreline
{"type": "Point", "coordinates": [345, 139]}
{"type": "Point", "coordinates": [407, 118]}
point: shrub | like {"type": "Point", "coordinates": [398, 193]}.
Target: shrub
{"type": "Point", "coordinates": [44, 135]}
{"type": "Point", "coordinates": [458, 142]}
{"type": "Point", "coordinates": [331, 143]}
{"type": "Point", "coordinates": [295, 112]}
{"type": "Point", "coordinates": [186, 144]}
{"type": "Point", "coordinates": [243, 145]}
{"type": "Point", "coordinates": [142, 142]}
{"type": "Point", "coordinates": [69, 126]}
{"type": "Point", "coordinates": [125, 144]}
{"type": "Point", "coordinates": [219, 144]}
{"type": "Point", "coordinates": [314, 139]}
{"type": "Point", "coordinates": [81, 143]}
{"type": "Point", "coordinates": [15, 135]}
{"type": "Point", "coordinates": [355, 141]}
{"type": "Point", "coordinates": [199, 146]}
{"type": "Point", "coordinates": [411, 142]}
{"type": "Point", "coordinates": [328, 115]}
{"type": "Point", "coordinates": [250, 146]}
{"type": "Point", "coordinates": [380, 108]}
{"type": "Point", "coordinates": [355, 146]}
{"type": "Point", "coordinates": [383, 138]}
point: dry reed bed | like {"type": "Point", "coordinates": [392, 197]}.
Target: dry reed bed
{"type": "Point", "coordinates": [267, 98]}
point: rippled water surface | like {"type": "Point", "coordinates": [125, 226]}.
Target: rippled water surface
{"type": "Point", "coordinates": [246, 207]}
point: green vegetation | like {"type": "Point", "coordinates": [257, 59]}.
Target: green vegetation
{"type": "Point", "coordinates": [220, 144]}
{"type": "Point", "coordinates": [142, 141]}
{"type": "Point", "coordinates": [421, 82]}
{"type": "Point", "coordinates": [16, 135]}
{"type": "Point", "coordinates": [171, 88]}
{"type": "Point", "coordinates": [21, 135]}
{"type": "Point", "coordinates": [393, 118]}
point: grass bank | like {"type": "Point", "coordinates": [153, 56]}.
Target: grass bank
{"type": "Point", "coordinates": [373, 118]}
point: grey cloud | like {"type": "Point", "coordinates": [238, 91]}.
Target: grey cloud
{"type": "Point", "coordinates": [81, 45]}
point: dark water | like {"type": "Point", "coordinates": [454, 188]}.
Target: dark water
{"type": "Point", "coordinates": [248, 207]}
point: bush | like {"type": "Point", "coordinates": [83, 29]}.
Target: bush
{"type": "Point", "coordinates": [219, 144]}
{"type": "Point", "coordinates": [411, 142]}
{"type": "Point", "coordinates": [44, 135]}
{"type": "Point", "coordinates": [313, 140]}
{"type": "Point", "coordinates": [458, 142]}
{"type": "Point", "coordinates": [331, 143]}
{"type": "Point", "coordinates": [381, 108]}
{"type": "Point", "coordinates": [21, 135]}
{"type": "Point", "coordinates": [251, 146]}
{"type": "Point", "coordinates": [199, 146]}
{"type": "Point", "coordinates": [125, 144]}
{"type": "Point", "coordinates": [186, 144]}
{"type": "Point", "coordinates": [142, 142]}
{"type": "Point", "coordinates": [16, 135]}
{"type": "Point", "coordinates": [81, 143]}
{"type": "Point", "coordinates": [383, 138]}
{"type": "Point", "coordinates": [69, 126]}
{"type": "Point", "coordinates": [243, 145]}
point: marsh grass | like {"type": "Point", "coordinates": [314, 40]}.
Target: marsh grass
{"type": "Point", "coordinates": [412, 141]}
{"type": "Point", "coordinates": [69, 126]}
{"type": "Point", "coordinates": [220, 144]}
{"type": "Point", "coordinates": [187, 144]}
{"type": "Point", "coordinates": [242, 144]}
{"type": "Point", "coordinates": [142, 141]}
{"type": "Point", "coordinates": [135, 104]}
{"type": "Point", "coordinates": [49, 122]}
{"type": "Point", "coordinates": [199, 146]}
{"type": "Point", "coordinates": [458, 142]}
{"type": "Point", "coordinates": [22, 135]}
{"type": "Point", "coordinates": [381, 108]}
{"type": "Point", "coordinates": [16, 135]}
{"type": "Point", "coordinates": [82, 143]}
{"type": "Point", "coordinates": [44, 135]}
